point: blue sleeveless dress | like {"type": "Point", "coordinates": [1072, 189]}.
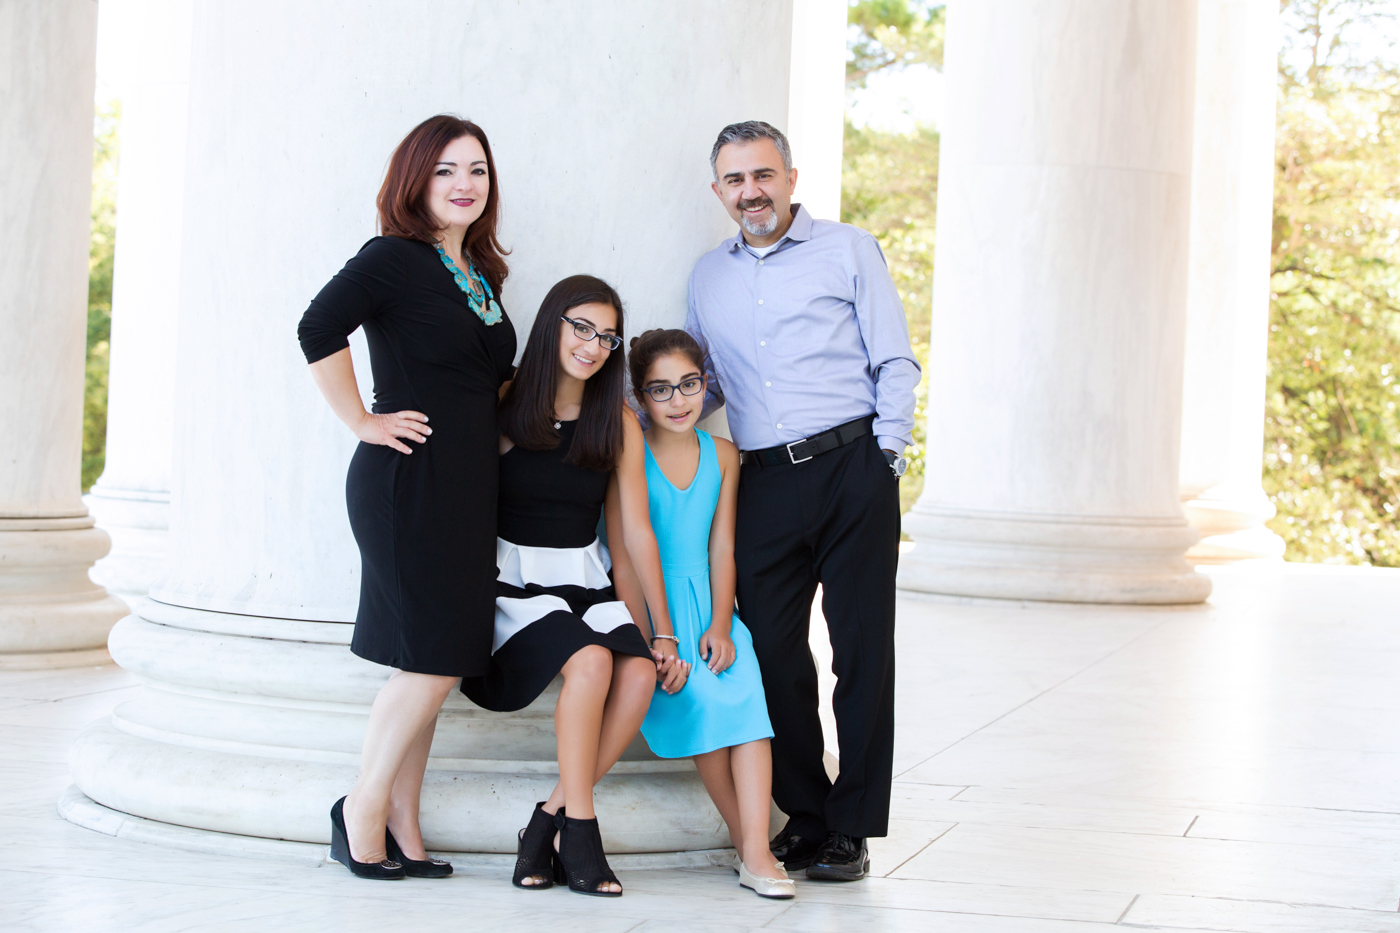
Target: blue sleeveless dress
{"type": "Point", "coordinates": [711, 711]}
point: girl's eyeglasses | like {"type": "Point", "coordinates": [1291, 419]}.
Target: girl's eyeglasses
{"type": "Point", "coordinates": [588, 332]}
{"type": "Point", "coordinates": [664, 393]}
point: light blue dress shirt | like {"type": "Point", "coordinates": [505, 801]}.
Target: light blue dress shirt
{"type": "Point", "coordinates": [809, 336]}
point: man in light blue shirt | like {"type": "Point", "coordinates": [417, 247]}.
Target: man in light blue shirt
{"type": "Point", "coordinates": [809, 350]}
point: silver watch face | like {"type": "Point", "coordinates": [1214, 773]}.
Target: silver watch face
{"type": "Point", "coordinates": [898, 465]}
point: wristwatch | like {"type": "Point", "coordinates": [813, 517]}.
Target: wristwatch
{"type": "Point", "coordinates": [898, 464]}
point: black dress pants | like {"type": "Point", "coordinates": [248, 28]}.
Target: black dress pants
{"type": "Point", "coordinates": [832, 520]}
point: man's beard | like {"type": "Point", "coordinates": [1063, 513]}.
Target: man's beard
{"type": "Point", "coordinates": [753, 228]}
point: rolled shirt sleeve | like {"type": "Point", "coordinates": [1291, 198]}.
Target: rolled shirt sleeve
{"type": "Point", "coordinates": [885, 331]}
{"type": "Point", "coordinates": [370, 281]}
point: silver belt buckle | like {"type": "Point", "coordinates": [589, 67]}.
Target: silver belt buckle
{"type": "Point", "coordinates": [789, 451]}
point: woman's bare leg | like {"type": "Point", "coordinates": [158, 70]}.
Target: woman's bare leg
{"type": "Point", "coordinates": [407, 791]}
{"type": "Point", "coordinates": [404, 707]}
{"type": "Point", "coordinates": [752, 767]}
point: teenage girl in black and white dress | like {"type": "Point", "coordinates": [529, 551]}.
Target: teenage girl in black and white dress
{"type": "Point", "coordinates": [568, 445]}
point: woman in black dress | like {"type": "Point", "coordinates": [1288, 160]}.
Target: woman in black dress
{"type": "Point", "coordinates": [421, 489]}
{"type": "Point", "coordinates": [568, 445]}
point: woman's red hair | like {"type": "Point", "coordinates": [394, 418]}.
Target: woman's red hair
{"type": "Point", "coordinates": [403, 210]}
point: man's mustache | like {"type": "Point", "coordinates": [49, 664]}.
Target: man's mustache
{"type": "Point", "coordinates": [756, 202]}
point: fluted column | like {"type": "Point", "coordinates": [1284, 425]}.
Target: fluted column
{"type": "Point", "coordinates": [1059, 309]}
{"type": "Point", "coordinates": [817, 102]}
{"type": "Point", "coordinates": [131, 499]}
{"type": "Point", "coordinates": [254, 709]}
{"type": "Point", "coordinates": [1227, 332]}
{"type": "Point", "coordinates": [51, 614]}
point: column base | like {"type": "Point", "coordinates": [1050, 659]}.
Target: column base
{"type": "Point", "coordinates": [51, 614]}
{"type": "Point", "coordinates": [1230, 519]}
{"type": "Point", "coordinates": [252, 726]}
{"type": "Point", "coordinates": [1056, 558]}
{"type": "Point", "coordinates": [81, 810]}
{"type": "Point", "coordinates": [138, 522]}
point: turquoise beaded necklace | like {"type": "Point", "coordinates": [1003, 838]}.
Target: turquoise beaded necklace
{"type": "Point", "coordinates": [481, 299]}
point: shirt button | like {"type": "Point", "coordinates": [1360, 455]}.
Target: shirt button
{"type": "Point", "coordinates": [768, 383]}
{"type": "Point", "coordinates": [780, 425]}
{"type": "Point", "coordinates": [760, 262]}
{"type": "Point", "coordinates": [760, 301]}
{"type": "Point", "coordinates": [763, 343]}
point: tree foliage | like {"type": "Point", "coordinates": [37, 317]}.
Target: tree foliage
{"type": "Point", "coordinates": [99, 315]}
{"type": "Point", "coordinates": [889, 186]}
{"type": "Point", "coordinates": [892, 34]}
{"type": "Point", "coordinates": [889, 181]}
{"type": "Point", "coordinates": [1332, 429]}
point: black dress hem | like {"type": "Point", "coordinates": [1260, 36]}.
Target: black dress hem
{"type": "Point", "coordinates": [524, 666]}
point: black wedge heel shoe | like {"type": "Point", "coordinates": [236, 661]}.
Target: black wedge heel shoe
{"type": "Point", "coordinates": [535, 853]}
{"type": "Point", "coordinates": [415, 868]}
{"type": "Point", "coordinates": [581, 859]}
{"type": "Point", "coordinates": [386, 870]}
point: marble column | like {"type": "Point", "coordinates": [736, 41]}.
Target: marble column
{"type": "Point", "coordinates": [51, 614]}
{"type": "Point", "coordinates": [253, 708]}
{"type": "Point", "coordinates": [1227, 329]}
{"type": "Point", "coordinates": [816, 103]}
{"type": "Point", "coordinates": [131, 499]}
{"type": "Point", "coordinates": [1059, 309]}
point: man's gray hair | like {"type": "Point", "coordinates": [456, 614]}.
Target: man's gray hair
{"type": "Point", "coordinates": [747, 132]}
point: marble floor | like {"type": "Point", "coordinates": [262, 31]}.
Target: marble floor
{"type": "Point", "coordinates": [1234, 766]}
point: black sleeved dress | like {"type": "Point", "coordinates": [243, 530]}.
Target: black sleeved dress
{"type": "Point", "coordinates": [425, 522]}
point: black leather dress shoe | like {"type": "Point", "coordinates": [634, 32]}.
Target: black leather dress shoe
{"type": "Point", "coordinates": [840, 858]}
{"type": "Point", "coordinates": [793, 851]}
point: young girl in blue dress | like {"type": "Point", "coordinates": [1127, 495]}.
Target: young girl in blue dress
{"type": "Point", "coordinates": [721, 717]}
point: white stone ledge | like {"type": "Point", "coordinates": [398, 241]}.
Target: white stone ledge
{"type": "Point", "coordinates": [646, 810]}
{"type": "Point", "coordinates": [81, 810]}
{"type": "Point", "coordinates": [228, 623]}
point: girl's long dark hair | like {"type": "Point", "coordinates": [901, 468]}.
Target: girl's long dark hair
{"type": "Point", "coordinates": [527, 410]}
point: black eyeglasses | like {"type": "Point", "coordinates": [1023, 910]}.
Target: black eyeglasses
{"type": "Point", "coordinates": [664, 393]}
{"type": "Point", "coordinates": [588, 332]}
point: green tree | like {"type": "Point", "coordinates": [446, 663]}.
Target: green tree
{"type": "Point", "coordinates": [99, 315]}
{"type": "Point", "coordinates": [889, 186]}
{"type": "Point", "coordinates": [892, 34]}
{"type": "Point", "coordinates": [1330, 461]}
{"type": "Point", "coordinates": [889, 181]}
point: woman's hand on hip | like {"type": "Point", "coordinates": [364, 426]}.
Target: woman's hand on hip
{"type": "Point", "coordinates": [388, 428]}
{"type": "Point", "coordinates": [718, 650]}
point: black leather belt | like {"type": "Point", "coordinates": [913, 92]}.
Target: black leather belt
{"type": "Point", "coordinates": [807, 448]}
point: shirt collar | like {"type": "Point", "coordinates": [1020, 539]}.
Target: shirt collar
{"type": "Point", "coordinates": [800, 231]}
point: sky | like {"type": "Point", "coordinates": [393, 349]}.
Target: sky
{"type": "Point", "coordinates": [897, 100]}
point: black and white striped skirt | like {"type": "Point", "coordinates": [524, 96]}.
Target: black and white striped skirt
{"type": "Point", "coordinates": [550, 602]}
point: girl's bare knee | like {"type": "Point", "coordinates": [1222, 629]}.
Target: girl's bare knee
{"type": "Point", "coordinates": [590, 662]}
{"type": "Point", "coordinates": [639, 675]}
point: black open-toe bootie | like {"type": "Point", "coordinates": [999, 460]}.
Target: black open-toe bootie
{"type": "Point", "coordinates": [582, 863]}
{"type": "Point", "coordinates": [387, 870]}
{"type": "Point", "coordinates": [415, 867]}
{"type": "Point", "coordinates": [535, 854]}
